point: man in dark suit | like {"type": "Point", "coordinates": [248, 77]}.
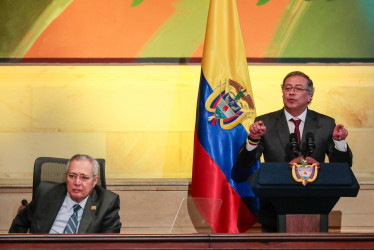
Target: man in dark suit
{"type": "Point", "coordinates": [269, 135]}
{"type": "Point", "coordinates": [77, 206]}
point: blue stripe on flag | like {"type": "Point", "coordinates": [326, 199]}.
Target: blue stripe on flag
{"type": "Point", "coordinates": [222, 145]}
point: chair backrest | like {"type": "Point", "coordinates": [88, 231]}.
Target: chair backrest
{"type": "Point", "coordinates": [51, 169]}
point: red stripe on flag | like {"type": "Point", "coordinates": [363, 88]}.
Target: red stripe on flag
{"type": "Point", "coordinates": [208, 181]}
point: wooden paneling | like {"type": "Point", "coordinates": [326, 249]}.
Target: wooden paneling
{"type": "Point", "coordinates": [192, 241]}
{"type": "Point", "coordinates": [153, 206]}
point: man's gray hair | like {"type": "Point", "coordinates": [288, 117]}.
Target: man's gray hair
{"type": "Point", "coordinates": [81, 157]}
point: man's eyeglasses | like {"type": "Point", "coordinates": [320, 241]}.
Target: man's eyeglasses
{"type": "Point", "coordinates": [82, 177]}
{"type": "Point", "coordinates": [297, 89]}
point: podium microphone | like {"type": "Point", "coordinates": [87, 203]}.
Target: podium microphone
{"type": "Point", "coordinates": [294, 146]}
{"type": "Point", "coordinates": [310, 145]}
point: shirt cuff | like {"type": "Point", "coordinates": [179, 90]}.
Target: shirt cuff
{"type": "Point", "coordinates": [341, 145]}
{"type": "Point", "coordinates": [249, 146]}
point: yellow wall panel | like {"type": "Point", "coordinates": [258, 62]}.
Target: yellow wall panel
{"type": "Point", "coordinates": [352, 106]}
{"type": "Point", "coordinates": [15, 109]}
{"type": "Point", "coordinates": [187, 142]}
{"type": "Point", "coordinates": [141, 118]}
{"type": "Point", "coordinates": [114, 100]}
{"type": "Point", "coordinates": [360, 141]}
{"type": "Point", "coordinates": [19, 151]}
{"type": "Point", "coordinates": [137, 154]}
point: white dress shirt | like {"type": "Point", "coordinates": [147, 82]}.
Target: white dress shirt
{"type": "Point", "coordinates": [65, 213]}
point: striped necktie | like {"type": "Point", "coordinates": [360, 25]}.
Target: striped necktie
{"type": "Point", "coordinates": [71, 227]}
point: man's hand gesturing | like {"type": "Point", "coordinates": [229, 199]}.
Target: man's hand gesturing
{"type": "Point", "coordinates": [256, 130]}
{"type": "Point", "coordinates": [339, 133]}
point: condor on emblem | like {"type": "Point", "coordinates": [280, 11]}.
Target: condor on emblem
{"type": "Point", "coordinates": [230, 103]}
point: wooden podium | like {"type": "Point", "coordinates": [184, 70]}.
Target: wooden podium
{"type": "Point", "coordinates": [304, 208]}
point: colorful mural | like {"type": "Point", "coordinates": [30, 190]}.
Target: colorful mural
{"type": "Point", "coordinates": [173, 30]}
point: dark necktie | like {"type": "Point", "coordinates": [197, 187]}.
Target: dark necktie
{"type": "Point", "coordinates": [71, 227]}
{"type": "Point", "coordinates": [297, 129]}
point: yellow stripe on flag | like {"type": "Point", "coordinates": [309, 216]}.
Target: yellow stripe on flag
{"type": "Point", "coordinates": [224, 55]}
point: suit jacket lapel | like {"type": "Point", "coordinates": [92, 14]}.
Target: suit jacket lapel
{"type": "Point", "coordinates": [310, 124]}
{"type": "Point", "coordinates": [51, 208]}
{"type": "Point", "coordinates": [88, 212]}
{"type": "Point", "coordinates": [282, 128]}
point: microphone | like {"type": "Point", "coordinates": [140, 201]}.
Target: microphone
{"type": "Point", "coordinates": [293, 146]}
{"type": "Point", "coordinates": [310, 145]}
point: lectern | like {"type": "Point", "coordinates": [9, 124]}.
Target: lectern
{"type": "Point", "coordinates": [304, 208]}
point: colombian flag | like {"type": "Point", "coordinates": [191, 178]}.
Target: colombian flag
{"type": "Point", "coordinates": [225, 109]}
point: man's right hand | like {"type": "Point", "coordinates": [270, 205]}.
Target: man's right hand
{"type": "Point", "coordinates": [256, 130]}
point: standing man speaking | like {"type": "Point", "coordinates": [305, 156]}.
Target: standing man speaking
{"type": "Point", "coordinates": [77, 206]}
{"type": "Point", "coordinates": [269, 135]}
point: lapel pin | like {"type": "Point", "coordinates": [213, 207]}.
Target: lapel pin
{"type": "Point", "coordinates": [93, 208]}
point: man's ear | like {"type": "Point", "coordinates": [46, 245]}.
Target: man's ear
{"type": "Point", "coordinates": [95, 180]}
{"type": "Point", "coordinates": [310, 98]}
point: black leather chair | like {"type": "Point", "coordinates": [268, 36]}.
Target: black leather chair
{"type": "Point", "coordinates": [51, 169]}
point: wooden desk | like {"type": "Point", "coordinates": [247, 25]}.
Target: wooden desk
{"type": "Point", "coordinates": [191, 241]}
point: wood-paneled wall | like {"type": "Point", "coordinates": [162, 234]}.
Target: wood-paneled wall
{"type": "Point", "coordinates": [141, 118]}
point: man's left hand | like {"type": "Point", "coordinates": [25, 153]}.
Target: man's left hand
{"type": "Point", "coordinates": [339, 133]}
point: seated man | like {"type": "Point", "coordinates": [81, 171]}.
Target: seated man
{"type": "Point", "coordinates": [77, 206]}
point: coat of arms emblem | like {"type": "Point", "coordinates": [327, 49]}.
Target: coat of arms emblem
{"type": "Point", "coordinates": [230, 104]}
{"type": "Point", "coordinates": [301, 172]}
